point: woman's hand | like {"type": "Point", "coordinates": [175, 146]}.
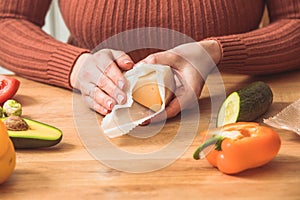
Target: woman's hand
{"type": "Point", "coordinates": [100, 80]}
{"type": "Point", "coordinates": [191, 62]}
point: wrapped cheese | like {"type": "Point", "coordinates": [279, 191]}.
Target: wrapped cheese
{"type": "Point", "coordinates": [151, 86]}
{"type": "Point", "coordinates": [146, 90]}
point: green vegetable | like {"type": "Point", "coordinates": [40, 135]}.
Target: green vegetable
{"type": "Point", "coordinates": [12, 107]}
{"type": "Point", "coordinates": [1, 111]}
{"type": "Point", "coordinates": [37, 136]}
{"type": "Point", "coordinates": [246, 104]}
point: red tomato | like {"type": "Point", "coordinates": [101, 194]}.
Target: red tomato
{"type": "Point", "coordinates": [8, 87]}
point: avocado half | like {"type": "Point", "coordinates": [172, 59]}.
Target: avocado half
{"type": "Point", "coordinates": [37, 136]}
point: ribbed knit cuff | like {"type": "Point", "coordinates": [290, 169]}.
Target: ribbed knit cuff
{"type": "Point", "coordinates": [233, 50]}
{"type": "Point", "coordinates": [61, 64]}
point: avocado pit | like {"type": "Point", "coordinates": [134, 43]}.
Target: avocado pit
{"type": "Point", "coordinates": [16, 123]}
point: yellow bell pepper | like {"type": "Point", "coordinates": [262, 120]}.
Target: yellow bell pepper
{"type": "Point", "coordinates": [7, 154]}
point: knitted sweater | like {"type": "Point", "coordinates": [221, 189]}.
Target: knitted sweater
{"type": "Point", "coordinates": [246, 48]}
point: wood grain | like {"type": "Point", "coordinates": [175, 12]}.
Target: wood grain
{"type": "Point", "coordinates": [69, 171]}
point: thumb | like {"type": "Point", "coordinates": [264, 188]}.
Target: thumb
{"type": "Point", "coordinates": [170, 111]}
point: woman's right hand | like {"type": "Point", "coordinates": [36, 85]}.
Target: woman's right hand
{"type": "Point", "coordinates": [100, 80]}
{"type": "Point", "coordinates": [192, 63]}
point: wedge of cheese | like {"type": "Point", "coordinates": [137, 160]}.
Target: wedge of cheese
{"type": "Point", "coordinates": [146, 91]}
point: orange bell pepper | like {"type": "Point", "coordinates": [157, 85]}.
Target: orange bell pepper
{"type": "Point", "coordinates": [240, 146]}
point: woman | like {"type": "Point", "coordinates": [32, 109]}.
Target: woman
{"type": "Point", "coordinates": [226, 30]}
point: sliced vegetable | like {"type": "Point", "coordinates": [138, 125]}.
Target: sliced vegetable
{"type": "Point", "coordinates": [8, 87]}
{"type": "Point", "coordinates": [12, 107]}
{"type": "Point", "coordinates": [246, 104]}
{"type": "Point", "coordinates": [240, 146]}
{"type": "Point", "coordinates": [37, 136]}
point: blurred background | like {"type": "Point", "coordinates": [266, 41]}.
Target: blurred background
{"type": "Point", "coordinates": [54, 25]}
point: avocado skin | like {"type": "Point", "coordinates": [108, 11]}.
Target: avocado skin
{"type": "Point", "coordinates": [23, 140]}
{"type": "Point", "coordinates": [29, 143]}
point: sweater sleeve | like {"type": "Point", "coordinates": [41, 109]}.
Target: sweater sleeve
{"type": "Point", "coordinates": [27, 50]}
{"type": "Point", "coordinates": [271, 49]}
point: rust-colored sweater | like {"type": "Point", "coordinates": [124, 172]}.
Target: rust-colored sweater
{"type": "Point", "coordinates": [28, 51]}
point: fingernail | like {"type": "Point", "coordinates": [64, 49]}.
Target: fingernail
{"type": "Point", "coordinates": [146, 122]}
{"type": "Point", "coordinates": [121, 84]}
{"type": "Point", "coordinates": [105, 111]}
{"type": "Point", "coordinates": [120, 98]}
{"type": "Point", "coordinates": [110, 104]}
{"type": "Point", "coordinates": [127, 62]}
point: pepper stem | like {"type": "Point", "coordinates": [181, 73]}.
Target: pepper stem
{"type": "Point", "coordinates": [212, 141]}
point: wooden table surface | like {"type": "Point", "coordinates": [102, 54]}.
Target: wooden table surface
{"type": "Point", "coordinates": [70, 170]}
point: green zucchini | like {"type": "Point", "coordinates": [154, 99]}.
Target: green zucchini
{"type": "Point", "coordinates": [246, 104]}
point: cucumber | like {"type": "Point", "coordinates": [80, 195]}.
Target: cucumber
{"type": "Point", "coordinates": [246, 104]}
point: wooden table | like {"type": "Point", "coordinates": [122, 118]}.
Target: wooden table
{"type": "Point", "coordinates": [69, 171]}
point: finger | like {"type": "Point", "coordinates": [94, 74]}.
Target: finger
{"type": "Point", "coordinates": [87, 89]}
{"type": "Point", "coordinates": [164, 58]}
{"type": "Point", "coordinates": [170, 111]}
{"type": "Point", "coordinates": [99, 96]}
{"type": "Point", "coordinates": [106, 64]}
{"type": "Point", "coordinates": [123, 60]}
{"type": "Point", "coordinates": [103, 99]}
{"type": "Point", "coordinates": [109, 87]}
{"type": "Point", "coordinates": [95, 106]}
{"type": "Point", "coordinates": [183, 99]}
{"type": "Point", "coordinates": [114, 73]}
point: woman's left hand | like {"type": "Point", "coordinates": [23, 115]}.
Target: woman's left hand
{"type": "Point", "coordinates": [191, 62]}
